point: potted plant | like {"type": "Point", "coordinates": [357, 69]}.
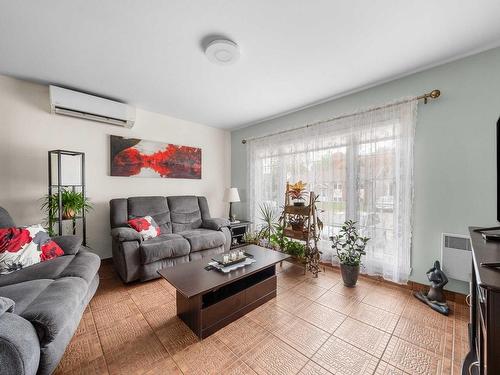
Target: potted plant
{"type": "Point", "coordinates": [297, 223]}
{"type": "Point", "coordinates": [73, 203]}
{"type": "Point", "coordinates": [298, 193]}
{"type": "Point", "coordinates": [350, 247]}
{"type": "Point", "coordinates": [269, 217]}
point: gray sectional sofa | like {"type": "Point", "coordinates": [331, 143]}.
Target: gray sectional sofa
{"type": "Point", "coordinates": [187, 233]}
{"type": "Point", "coordinates": [42, 305]}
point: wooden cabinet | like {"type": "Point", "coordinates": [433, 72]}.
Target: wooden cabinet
{"type": "Point", "coordinates": [484, 327]}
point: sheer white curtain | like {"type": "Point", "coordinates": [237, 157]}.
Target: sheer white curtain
{"type": "Point", "coordinates": [362, 168]}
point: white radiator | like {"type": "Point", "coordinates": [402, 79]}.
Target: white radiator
{"type": "Point", "coordinates": [456, 256]}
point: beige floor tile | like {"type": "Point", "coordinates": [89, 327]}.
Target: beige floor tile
{"type": "Point", "coordinates": [363, 336]}
{"type": "Point", "coordinates": [164, 366]}
{"type": "Point", "coordinates": [275, 357]}
{"type": "Point", "coordinates": [321, 316]}
{"type": "Point", "coordinates": [209, 356]}
{"type": "Point", "coordinates": [360, 291]}
{"type": "Point", "coordinates": [308, 290]}
{"type": "Point", "coordinates": [84, 351]}
{"type": "Point", "coordinates": [87, 324]}
{"type": "Point", "coordinates": [412, 358]}
{"type": "Point", "coordinates": [238, 368]}
{"type": "Point", "coordinates": [339, 357]}
{"type": "Point", "coordinates": [338, 302]}
{"type": "Point", "coordinates": [150, 301]}
{"type": "Point", "coordinates": [241, 335]}
{"type": "Point", "coordinates": [374, 316]}
{"type": "Point", "coordinates": [271, 317]}
{"type": "Point", "coordinates": [110, 315]}
{"type": "Point", "coordinates": [161, 316]}
{"type": "Point", "coordinates": [302, 336]}
{"type": "Point", "coordinates": [176, 336]}
{"type": "Point", "coordinates": [323, 281]}
{"type": "Point", "coordinates": [292, 302]}
{"type": "Point", "coordinates": [136, 356]}
{"type": "Point", "coordinates": [428, 338]}
{"type": "Point", "coordinates": [312, 368]}
{"type": "Point", "coordinates": [393, 302]}
{"type": "Point", "coordinates": [125, 331]}
{"type": "Point", "coordinates": [384, 368]}
{"type": "Point", "coordinates": [424, 315]}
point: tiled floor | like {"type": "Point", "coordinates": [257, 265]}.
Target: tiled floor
{"type": "Point", "coordinates": [314, 326]}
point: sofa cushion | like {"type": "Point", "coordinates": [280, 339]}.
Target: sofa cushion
{"type": "Point", "coordinates": [203, 239]}
{"type": "Point", "coordinates": [56, 307]}
{"type": "Point", "coordinates": [84, 265]}
{"type": "Point", "coordinates": [163, 246]}
{"type": "Point", "coordinates": [23, 294]}
{"type": "Point", "coordinates": [44, 270]}
{"type": "Point", "coordinates": [184, 212]}
{"type": "Point", "coordinates": [156, 207]}
{"type": "Point", "coordinates": [146, 226]}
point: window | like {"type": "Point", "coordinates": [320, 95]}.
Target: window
{"type": "Point", "coordinates": [361, 167]}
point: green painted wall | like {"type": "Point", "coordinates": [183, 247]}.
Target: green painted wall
{"type": "Point", "coordinates": [455, 174]}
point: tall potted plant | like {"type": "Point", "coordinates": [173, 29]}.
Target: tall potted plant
{"type": "Point", "coordinates": [350, 247]}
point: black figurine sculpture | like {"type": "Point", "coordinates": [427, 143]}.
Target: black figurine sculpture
{"type": "Point", "coordinates": [435, 297]}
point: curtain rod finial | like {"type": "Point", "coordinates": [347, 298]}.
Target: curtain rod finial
{"type": "Point", "coordinates": [435, 94]}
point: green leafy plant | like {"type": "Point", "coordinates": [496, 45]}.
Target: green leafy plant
{"type": "Point", "coordinates": [278, 239]}
{"type": "Point", "coordinates": [295, 249]}
{"type": "Point", "coordinates": [349, 245]}
{"type": "Point", "coordinates": [251, 237]}
{"type": "Point", "coordinates": [73, 203]}
{"type": "Point", "coordinates": [269, 216]}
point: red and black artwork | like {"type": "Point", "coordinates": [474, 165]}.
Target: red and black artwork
{"type": "Point", "coordinates": [132, 157]}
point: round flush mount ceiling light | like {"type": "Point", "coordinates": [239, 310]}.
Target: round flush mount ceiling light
{"type": "Point", "coordinates": [222, 52]}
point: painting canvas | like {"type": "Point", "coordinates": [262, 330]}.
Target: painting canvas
{"type": "Point", "coordinates": [132, 157]}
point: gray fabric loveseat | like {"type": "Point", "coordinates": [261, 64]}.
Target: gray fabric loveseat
{"type": "Point", "coordinates": [42, 305]}
{"type": "Point", "coordinates": [187, 233]}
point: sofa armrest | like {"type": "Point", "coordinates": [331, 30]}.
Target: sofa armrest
{"type": "Point", "coordinates": [215, 223]}
{"type": "Point", "coordinates": [69, 244]}
{"type": "Point", "coordinates": [19, 346]}
{"type": "Point", "coordinates": [123, 234]}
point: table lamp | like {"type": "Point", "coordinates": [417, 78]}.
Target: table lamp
{"type": "Point", "coordinates": [231, 196]}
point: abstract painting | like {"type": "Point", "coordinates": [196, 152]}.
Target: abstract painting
{"type": "Point", "coordinates": [132, 157]}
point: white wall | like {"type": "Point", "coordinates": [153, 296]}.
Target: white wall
{"type": "Point", "coordinates": [28, 130]}
{"type": "Point", "coordinates": [455, 155]}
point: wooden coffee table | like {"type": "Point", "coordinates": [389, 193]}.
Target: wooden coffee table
{"type": "Point", "coordinates": [209, 300]}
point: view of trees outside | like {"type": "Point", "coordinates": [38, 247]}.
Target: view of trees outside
{"type": "Point", "coordinates": [354, 179]}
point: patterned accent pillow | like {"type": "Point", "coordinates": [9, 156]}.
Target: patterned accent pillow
{"type": "Point", "coordinates": [146, 226]}
{"type": "Point", "coordinates": [23, 247]}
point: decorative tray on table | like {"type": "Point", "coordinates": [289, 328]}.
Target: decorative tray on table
{"type": "Point", "coordinates": [228, 259]}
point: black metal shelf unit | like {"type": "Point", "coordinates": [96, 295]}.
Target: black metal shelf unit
{"type": "Point", "coordinates": [56, 188]}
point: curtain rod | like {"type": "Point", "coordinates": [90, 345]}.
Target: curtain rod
{"type": "Point", "coordinates": [434, 94]}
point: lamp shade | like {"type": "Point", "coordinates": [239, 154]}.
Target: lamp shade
{"type": "Point", "coordinates": [231, 195]}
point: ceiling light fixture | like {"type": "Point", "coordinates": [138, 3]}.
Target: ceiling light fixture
{"type": "Point", "coordinates": [222, 52]}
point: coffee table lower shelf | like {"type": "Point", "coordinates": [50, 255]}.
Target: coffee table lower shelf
{"type": "Point", "coordinates": [208, 312]}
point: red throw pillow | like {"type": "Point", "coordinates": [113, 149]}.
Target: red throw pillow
{"type": "Point", "coordinates": [146, 226]}
{"type": "Point", "coordinates": [23, 247]}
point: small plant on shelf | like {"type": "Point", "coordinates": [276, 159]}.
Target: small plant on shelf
{"type": "Point", "coordinates": [297, 193]}
{"type": "Point", "coordinates": [73, 204]}
{"type": "Point", "coordinates": [350, 247]}
{"type": "Point", "coordinates": [296, 249]}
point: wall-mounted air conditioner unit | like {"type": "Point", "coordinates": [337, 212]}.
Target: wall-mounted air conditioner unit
{"type": "Point", "coordinates": [90, 107]}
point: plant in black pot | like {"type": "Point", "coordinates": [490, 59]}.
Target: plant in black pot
{"type": "Point", "coordinates": [350, 247]}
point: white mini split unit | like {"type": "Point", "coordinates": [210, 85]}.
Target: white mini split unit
{"type": "Point", "coordinates": [90, 107]}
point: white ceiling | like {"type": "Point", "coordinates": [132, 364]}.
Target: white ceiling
{"type": "Point", "coordinates": [293, 52]}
